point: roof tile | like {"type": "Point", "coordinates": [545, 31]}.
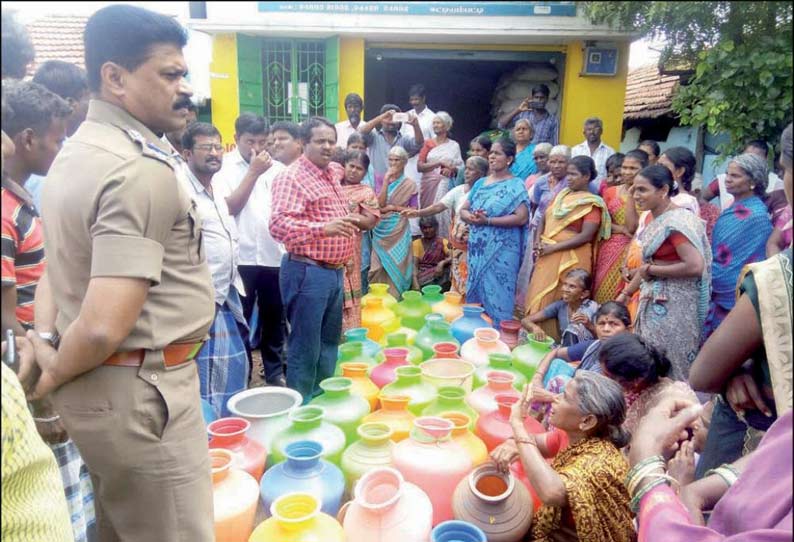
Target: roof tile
{"type": "Point", "coordinates": [649, 94]}
{"type": "Point", "coordinates": [57, 37]}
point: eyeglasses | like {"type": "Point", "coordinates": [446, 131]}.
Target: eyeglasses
{"type": "Point", "coordinates": [208, 148]}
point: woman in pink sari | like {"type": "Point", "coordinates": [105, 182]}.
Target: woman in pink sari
{"type": "Point", "coordinates": [439, 161]}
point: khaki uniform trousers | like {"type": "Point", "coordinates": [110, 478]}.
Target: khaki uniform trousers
{"type": "Point", "coordinates": [141, 434]}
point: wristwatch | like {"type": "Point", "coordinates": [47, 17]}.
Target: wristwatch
{"type": "Point", "coordinates": [53, 338]}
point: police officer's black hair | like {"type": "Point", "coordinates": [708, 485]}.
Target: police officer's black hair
{"type": "Point", "coordinates": [659, 177]}
{"type": "Point", "coordinates": [354, 99]}
{"type": "Point", "coordinates": [357, 156]}
{"type": "Point", "coordinates": [196, 129]}
{"type": "Point", "coordinates": [541, 89]}
{"type": "Point", "coordinates": [683, 157]}
{"type": "Point", "coordinates": [34, 107]}
{"type": "Point", "coordinates": [585, 166]}
{"type": "Point", "coordinates": [16, 48]}
{"type": "Point", "coordinates": [640, 156]}
{"type": "Point", "coordinates": [293, 129]}
{"type": "Point", "coordinates": [308, 125]}
{"type": "Point", "coordinates": [628, 357]}
{"type": "Point", "coordinates": [125, 35]}
{"type": "Point", "coordinates": [249, 123]}
{"type": "Point", "coordinates": [417, 90]}
{"type": "Point", "coordinates": [63, 78]}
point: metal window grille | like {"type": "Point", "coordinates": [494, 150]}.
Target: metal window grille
{"type": "Point", "coordinates": [294, 79]}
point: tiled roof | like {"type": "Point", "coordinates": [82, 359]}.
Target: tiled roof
{"type": "Point", "coordinates": [57, 37]}
{"type": "Point", "coordinates": [649, 95]}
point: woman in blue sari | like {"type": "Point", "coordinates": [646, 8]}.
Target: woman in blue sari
{"type": "Point", "coordinates": [497, 211]}
{"type": "Point", "coordinates": [392, 258]}
{"type": "Point", "coordinates": [524, 164]}
{"type": "Point", "coordinates": [739, 236]}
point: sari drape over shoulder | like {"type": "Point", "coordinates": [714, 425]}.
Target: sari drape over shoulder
{"type": "Point", "coordinates": [361, 198]}
{"type": "Point", "coordinates": [566, 209]}
{"type": "Point", "coordinates": [672, 312]}
{"type": "Point", "coordinates": [433, 185]}
{"type": "Point", "coordinates": [524, 163]}
{"type": "Point", "coordinates": [495, 253]}
{"type": "Point", "coordinates": [739, 238]}
{"type": "Point", "coordinates": [611, 252]}
{"type": "Point", "coordinates": [392, 259]}
{"type": "Point", "coordinates": [593, 472]}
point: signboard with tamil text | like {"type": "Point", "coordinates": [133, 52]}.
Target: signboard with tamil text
{"type": "Point", "coordinates": [482, 9]}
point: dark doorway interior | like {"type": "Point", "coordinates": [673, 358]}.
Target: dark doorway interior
{"type": "Point", "coordinates": [462, 88]}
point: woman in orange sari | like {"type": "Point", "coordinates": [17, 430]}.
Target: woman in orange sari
{"type": "Point", "coordinates": [612, 251]}
{"type": "Point", "coordinates": [361, 200]}
{"type": "Point", "coordinates": [572, 225]}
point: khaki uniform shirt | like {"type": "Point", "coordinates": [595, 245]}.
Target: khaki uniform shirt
{"type": "Point", "coordinates": [112, 207]}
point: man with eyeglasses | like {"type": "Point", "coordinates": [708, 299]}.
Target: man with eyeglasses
{"type": "Point", "coordinates": [223, 360]}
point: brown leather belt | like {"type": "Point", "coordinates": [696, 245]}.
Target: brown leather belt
{"type": "Point", "coordinates": [318, 263]}
{"type": "Point", "coordinates": [173, 355]}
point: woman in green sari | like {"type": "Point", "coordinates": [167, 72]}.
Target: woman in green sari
{"type": "Point", "coordinates": [392, 259]}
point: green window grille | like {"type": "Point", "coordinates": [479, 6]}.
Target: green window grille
{"type": "Point", "coordinates": [296, 80]}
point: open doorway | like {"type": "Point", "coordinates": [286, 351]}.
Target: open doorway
{"type": "Point", "coordinates": [461, 83]}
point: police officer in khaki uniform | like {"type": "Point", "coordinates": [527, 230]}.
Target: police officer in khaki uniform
{"type": "Point", "coordinates": [128, 288]}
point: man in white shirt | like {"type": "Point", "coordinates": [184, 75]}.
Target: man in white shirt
{"type": "Point", "coordinates": [244, 180]}
{"type": "Point", "coordinates": [593, 146]}
{"type": "Point", "coordinates": [354, 105]}
{"type": "Point", "coordinates": [223, 360]}
{"type": "Point", "coordinates": [417, 97]}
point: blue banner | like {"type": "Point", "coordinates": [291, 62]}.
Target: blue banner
{"type": "Point", "coordinates": [482, 9]}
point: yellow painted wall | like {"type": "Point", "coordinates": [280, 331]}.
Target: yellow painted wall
{"type": "Point", "coordinates": [592, 97]}
{"type": "Point", "coordinates": [224, 86]}
{"type": "Point", "coordinates": [351, 70]}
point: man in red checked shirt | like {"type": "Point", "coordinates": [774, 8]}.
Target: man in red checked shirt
{"type": "Point", "coordinates": [311, 218]}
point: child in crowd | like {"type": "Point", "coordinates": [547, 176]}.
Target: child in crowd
{"type": "Point", "coordinates": [560, 365]}
{"type": "Point", "coordinates": [431, 256]}
{"type": "Point", "coordinates": [610, 319]}
{"type": "Point", "coordinates": [574, 312]}
{"type": "Point", "coordinates": [614, 177]}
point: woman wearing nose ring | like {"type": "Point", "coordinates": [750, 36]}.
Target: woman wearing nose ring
{"type": "Point", "coordinates": [675, 277]}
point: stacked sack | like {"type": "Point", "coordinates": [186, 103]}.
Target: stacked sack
{"type": "Point", "coordinates": [516, 86]}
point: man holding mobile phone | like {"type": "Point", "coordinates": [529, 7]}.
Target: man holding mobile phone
{"type": "Point", "coordinates": [533, 108]}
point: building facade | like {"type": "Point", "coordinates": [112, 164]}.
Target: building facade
{"type": "Point", "coordinates": [290, 60]}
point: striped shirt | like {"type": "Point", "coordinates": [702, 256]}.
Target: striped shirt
{"type": "Point", "coordinates": [22, 251]}
{"type": "Point", "coordinates": [544, 129]}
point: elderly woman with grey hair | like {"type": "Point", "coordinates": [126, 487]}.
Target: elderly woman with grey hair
{"type": "Point", "coordinates": [541, 157]}
{"type": "Point", "coordinates": [740, 234]}
{"type": "Point", "coordinates": [439, 161]}
{"type": "Point", "coordinates": [524, 164]}
{"type": "Point", "coordinates": [392, 261]}
{"type": "Point", "coordinates": [541, 194]}
{"type": "Point", "coordinates": [582, 490]}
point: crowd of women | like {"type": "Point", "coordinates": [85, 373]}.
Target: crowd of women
{"type": "Point", "coordinates": [667, 312]}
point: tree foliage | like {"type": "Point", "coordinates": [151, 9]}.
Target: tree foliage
{"type": "Point", "coordinates": [740, 52]}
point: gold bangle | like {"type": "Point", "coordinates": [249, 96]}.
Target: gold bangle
{"type": "Point", "coordinates": [525, 441]}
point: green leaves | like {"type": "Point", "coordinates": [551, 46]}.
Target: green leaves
{"type": "Point", "coordinates": [741, 51]}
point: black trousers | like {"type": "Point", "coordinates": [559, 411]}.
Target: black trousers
{"type": "Point", "coordinates": [261, 283]}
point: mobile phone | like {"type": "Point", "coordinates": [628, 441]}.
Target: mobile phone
{"type": "Point", "coordinates": [401, 117]}
{"type": "Point", "coordinates": [11, 357]}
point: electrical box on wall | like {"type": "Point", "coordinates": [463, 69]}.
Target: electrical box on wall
{"type": "Point", "coordinates": [600, 61]}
